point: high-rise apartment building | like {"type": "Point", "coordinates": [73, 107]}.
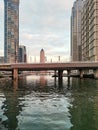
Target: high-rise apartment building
{"type": "Point", "coordinates": [90, 30]}
{"type": "Point", "coordinates": [76, 30]}
{"type": "Point", "coordinates": [22, 54]}
{"type": "Point", "coordinates": [11, 29]}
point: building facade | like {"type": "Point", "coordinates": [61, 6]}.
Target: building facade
{"type": "Point", "coordinates": [90, 31]}
{"type": "Point", "coordinates": [11, 30]}
{"type": "Point", "coordinates": [1, 59]}
{"type": "Point", "coordinates": [76, 30]}
{"type": "Point", "coordinates": [22, 54]}
{"type": "Point", "coordinates": [42, 56]}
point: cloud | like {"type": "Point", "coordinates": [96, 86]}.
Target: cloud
{"type": "Point", "coordinates": [1, 53]}
{"type": "Point", "coordinates": [53, 44]}
{"type": "Point", "coordinates": [45, 14]}
{"type": "Point", "coordinates": [47, 26]}
{"type": "Point", "coordinates": [43, 24]}
{"type": "Point", "coordinates": [1, 5]}
{"type": "Point", "coordinates": [58, 5]}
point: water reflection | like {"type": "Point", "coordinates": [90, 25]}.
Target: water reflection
{"type": "Point", "coordinates": [37, 102]}
{"type": "Point", "coordinates": [43, 111]}
{"type": "Point", "coordinates": [43, 81]}
{"type": "Point", "coordinates": [15, 84]}
{"type": "Point", "coordinates": [10, 106]}
{"type": "Point", "coordinates": [33, 102]}
{"type": "Point", "coordinates": [43, 108]}
{"type": "Point", "coordinates": [2, 109]}
{"type": "Point", "coordinates": [84, 110]}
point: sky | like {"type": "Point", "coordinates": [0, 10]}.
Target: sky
{"type": "Point", "coordinates": [42, 24]}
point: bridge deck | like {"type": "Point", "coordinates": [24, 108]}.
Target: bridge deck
{"type": "Point", "coordinates": [56, 66]}
{"type": "Point", "coordinates": [50, 66]}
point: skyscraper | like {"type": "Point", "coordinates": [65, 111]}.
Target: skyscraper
{"type": "Point", "coordinates": [22, 54]}
{"type": "Point", "coordinates": [42, 56]}
{"type": "Point", "coordinates": [11, 30]}
{"type": "Point", "coordinates": [90, 31]}
{"type": "Point", "coordinates": [76, 30]}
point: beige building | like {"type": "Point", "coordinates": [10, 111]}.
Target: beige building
{"type": "Point", "coordinates": [89, 36]}
{"type": "Point", "coordinates": [42, 56]}
{"type": "Point", "coordinates": [76, 30]}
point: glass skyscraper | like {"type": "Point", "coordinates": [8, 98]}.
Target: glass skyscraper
{"type": "Point", "coordinates": [11, 30]}
{"type": "Point", "coordinates": [76, 30]}
{"type": "Point", "coordinates": [22, 54]}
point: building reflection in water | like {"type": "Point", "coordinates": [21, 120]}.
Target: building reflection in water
{"type": "Point", "coordinates": [43, 81]}
{"type": "Point", "coordinates": [10, 106]}
{"type": "Point", "coordinates": [16, 99]}
{"type": "Point", "coordinates": [96, 105]}
{"type": "Point", "coordinates": [15, 84]}
{"type": "Point", "coordinates": [14, 93]}
{"type": "Point", "coordinates": [85, 109]}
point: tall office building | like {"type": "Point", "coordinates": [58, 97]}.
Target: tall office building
{"type": "Point", "coordinates": [11, 28]}
{"type": "Point", "coordinates": [76, 30]}
{"type": "Point", "coordinates": [42, 56]}
{"type": "Point", "coordinates": [22, 54]}
{"type": "Point", "coordinates": [1, 59]}
{"type": "Point", "coordinates": [90, 31]}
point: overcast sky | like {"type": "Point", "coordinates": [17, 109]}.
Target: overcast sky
{"type": "Point", "coordinates": [43, 24]}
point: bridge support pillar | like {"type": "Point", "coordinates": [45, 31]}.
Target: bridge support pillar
{"type": "Point", "coordinates": [55, 74]}
{"type": "Point", "coordinates": [15, 74]}
{"type": "Point", "coordinates": [68, 73]}
{"type": "Point", "coordinates": [81, 73]}
{"type": "Point", "coordinates": [96, 74]}
{"type": "Point", "coordinates": [60, 76]}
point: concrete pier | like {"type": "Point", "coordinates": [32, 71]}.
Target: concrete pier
{"type": "Point", "coordinates": [60, 76]}
{"type": "Point", "coordinates": [15, 74]}
{"type": "Point", "coordinates": [96, 74]}
{"type": "Point", "coordinates": [68, 72]}
{"type": "Point", "coordinates": [81, 73]}
{"type": "Point", "coordinates": [55, 74]}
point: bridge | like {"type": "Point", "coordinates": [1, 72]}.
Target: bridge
{"type": "Point", "coordinates": [60, 67]}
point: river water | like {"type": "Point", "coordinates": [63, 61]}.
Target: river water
{"type": "Point", "coordinates": [39, 102]}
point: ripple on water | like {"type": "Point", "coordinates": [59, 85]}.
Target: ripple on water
{"type": "Point", "coordinates": [2, 109]}
{"type": "Point", "coordinates": [43, 111]}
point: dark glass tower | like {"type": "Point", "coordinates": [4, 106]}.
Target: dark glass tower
{"type": "Point", "coordinates": [76, 30]}
{"type": "Point", "coordinates": [22, 54]}
{"type": "Point", "coordinates": [11, 31]}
